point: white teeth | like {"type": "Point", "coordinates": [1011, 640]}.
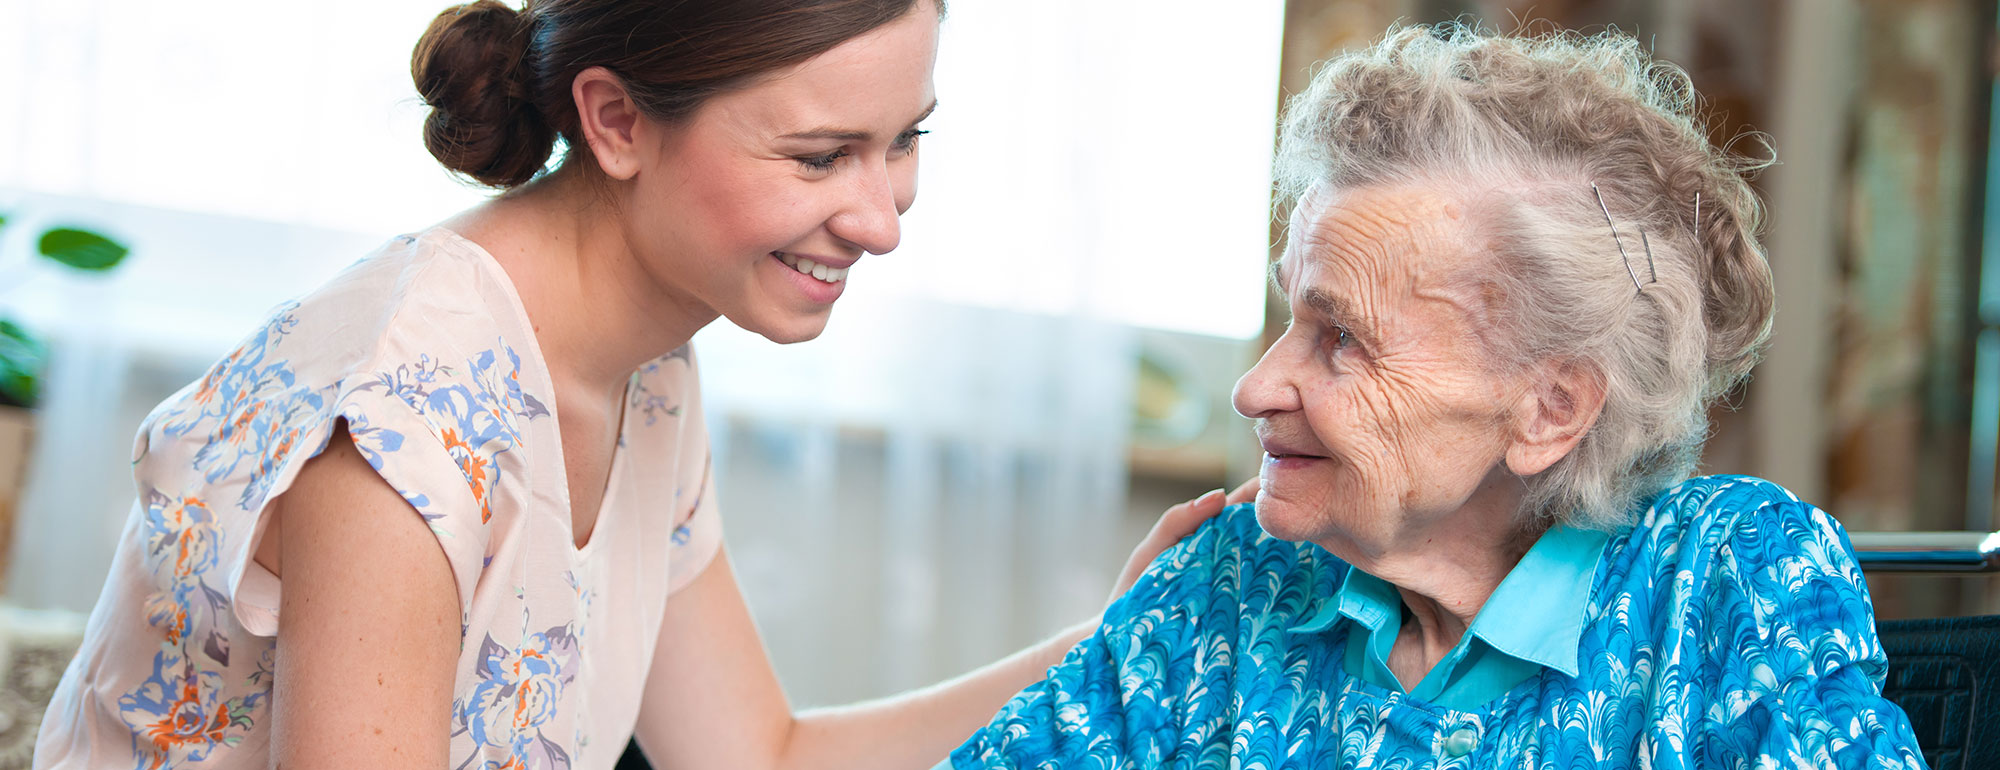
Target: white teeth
{"type": "Point", "coordinates": [814, 269]}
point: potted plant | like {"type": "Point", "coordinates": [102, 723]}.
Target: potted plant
{"type": "Point", "coordinates": [22, 358]}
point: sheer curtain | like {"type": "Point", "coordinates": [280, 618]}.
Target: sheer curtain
{"type": "Point", "coordinates": [935, 481]}
{"type": "Point", "coordinates": [908, 510]}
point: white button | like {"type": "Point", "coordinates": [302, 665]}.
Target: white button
{"type": "Point", "coordinates": [1461, 742]}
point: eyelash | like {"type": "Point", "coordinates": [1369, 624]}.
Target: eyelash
{"type": "Point", "coordinates": [905, 143]}
{"type": "Point", "coordinates": [1342, 338]}
{"type": "Point", "coordinates": [822, 162]}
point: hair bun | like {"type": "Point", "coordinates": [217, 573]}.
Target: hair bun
{"type": "Point", "coordinates": [469, 69]}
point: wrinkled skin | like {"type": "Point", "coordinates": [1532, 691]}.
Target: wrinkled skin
{"type": "Point", "coordinates": [1383, 418]}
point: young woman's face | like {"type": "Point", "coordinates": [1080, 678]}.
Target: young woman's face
{"type": "Point", "coordinates": [762, 204]}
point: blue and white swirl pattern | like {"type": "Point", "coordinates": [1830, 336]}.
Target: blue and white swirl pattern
{"type": "Point", "coordinates": [1729, 629]}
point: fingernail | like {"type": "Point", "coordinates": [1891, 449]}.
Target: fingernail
{"type": "Point", "coordinates": [1216, 492]}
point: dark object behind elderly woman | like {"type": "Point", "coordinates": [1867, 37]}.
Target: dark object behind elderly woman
{"type": "Point", "coordinates": [1518, 274]}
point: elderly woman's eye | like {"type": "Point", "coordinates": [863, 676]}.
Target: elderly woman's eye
{"type": "Point", "coordinates": [1338, 337]}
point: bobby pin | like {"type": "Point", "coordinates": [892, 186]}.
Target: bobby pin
{"type": "Point", "coordinates": [1650, 267]}
{"type": "Point", "coordinates": [1697, 217]}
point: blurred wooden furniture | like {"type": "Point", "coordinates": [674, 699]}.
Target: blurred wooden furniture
{"type": "Point", "coordinates": [17, 434]}
{"type": "Point", "coordinates": [35, 647]}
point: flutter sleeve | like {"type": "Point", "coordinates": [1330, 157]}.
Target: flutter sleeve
{"type": "Point", "coordinates": [210, 463]}
{"type": "Point", "coordinates": [1791, 636]}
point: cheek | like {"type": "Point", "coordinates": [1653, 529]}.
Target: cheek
{"type": "Point", "coordinates": [1444, 436]}
{"type": "Point", "coordinates": [714, 198]}
{"type": "Point", "coordinates": [750, 215]}
{"type": "Point", "coordinates": [904, 182]}
{"type": "Point", "coordinates": [1357, 422]}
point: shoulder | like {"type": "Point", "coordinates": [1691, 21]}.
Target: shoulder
{"type": "Point", "coordinates": [1740, 523]}
{"type": "Point", "coordinates": [1230, 569]}
{"type": "Point", "coordinates": [430, 294]}
{"type": "Point", "coordinates": [432, 288]}
{"type": "Point", "coordinates": [407, 341]}
{"type": "Point", "coordinates": [1745, 564]}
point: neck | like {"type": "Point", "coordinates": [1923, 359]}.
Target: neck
{"type": "Point", "coordinates": [598, 312]}
{"type": "Point", "coordinates": [1447, 570]}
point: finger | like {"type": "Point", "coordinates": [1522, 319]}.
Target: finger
{"type": "Point", "coordinates": [1197, 509]}
{"type": "Point", "coordinates": [1246, 492]}
{"type": "Point", "coordinates": [1181, 520]}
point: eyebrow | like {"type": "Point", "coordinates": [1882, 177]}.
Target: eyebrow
{"type": "Point", "coordinates": [1336, 309]}
{"type": "Point", "coordinates": [1327, 305]}
{"type": "Point", "coordinates": [851, 135]}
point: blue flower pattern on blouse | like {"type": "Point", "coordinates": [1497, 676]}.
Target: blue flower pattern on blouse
{"type": "Point", "coordinates": [1730, 628]}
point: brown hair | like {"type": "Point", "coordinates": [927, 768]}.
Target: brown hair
{"type": "Point", "coordinates": [498, 80]}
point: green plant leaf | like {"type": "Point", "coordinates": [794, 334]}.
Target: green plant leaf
{"type": "Point", "coordinates": [18, 388]}
{"type": "Point", "coordinates": [82, 249]}
{"type": "Point", "coordinates": [21, 360]}
{"type": "Point", "coordinates": [16, 342]}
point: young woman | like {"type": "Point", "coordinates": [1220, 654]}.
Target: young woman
{"type": "Point", "coordinates": [454, 509]}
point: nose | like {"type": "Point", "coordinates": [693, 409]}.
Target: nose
{"type": "Point", "coordinates": [872, 215]}
{"type": "Point", "coordinates": [1269, 388]}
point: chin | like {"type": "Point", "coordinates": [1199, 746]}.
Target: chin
{"type": "Point", "coordinates": [786, 331]}
{"type": "Point", "coordinates": [787, 338]}
{"type": "Point", "coordinates": [1285, 521]}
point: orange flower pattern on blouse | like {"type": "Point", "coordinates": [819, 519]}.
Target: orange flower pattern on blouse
{"type": "Point", "coordinates": [423, 352]}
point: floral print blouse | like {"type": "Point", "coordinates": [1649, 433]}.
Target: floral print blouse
{"type": "Point", "coordinates": [1729, 629]}
{"type": "Point", "coordinates": [426, 353]}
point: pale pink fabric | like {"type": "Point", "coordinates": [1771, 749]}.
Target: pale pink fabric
{"type": "Point", "coordinates": [424, 349]}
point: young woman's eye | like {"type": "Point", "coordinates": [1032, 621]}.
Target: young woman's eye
{"type": "Point", "coordinates": [906, 142]}
{"type": "Point", "coordinates": [821, 162]}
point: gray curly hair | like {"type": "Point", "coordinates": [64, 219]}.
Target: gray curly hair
{"type": "Point", "coordinates": [1524, 126]}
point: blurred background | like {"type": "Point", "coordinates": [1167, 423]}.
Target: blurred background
{"type": "Point", "coordinates": [1002, 406]}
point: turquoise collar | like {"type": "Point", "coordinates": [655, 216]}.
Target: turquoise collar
{"type": "Point", "coordinates": [1535, 615]}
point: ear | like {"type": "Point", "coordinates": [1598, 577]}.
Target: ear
{"type": "Point", "coordinates": [1560, 404]}
{"type": "Point", "coordinates": [611, 122]}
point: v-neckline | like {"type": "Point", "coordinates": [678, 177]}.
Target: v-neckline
{"type": "Point", "coordinates": [541, 367]}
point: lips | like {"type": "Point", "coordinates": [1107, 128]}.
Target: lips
{"type": "Point", "coordinates": [1279, 447]}
{"type": "Point", "coordinates": [825, 269]}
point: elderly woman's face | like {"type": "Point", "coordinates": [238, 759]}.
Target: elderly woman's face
{"type": "Point", "coordinates": [1379, 417]}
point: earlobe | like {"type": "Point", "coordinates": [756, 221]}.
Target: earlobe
{"type": "Point", "coordinates": [610, 122]}
{"type": "Point", "coordinates": [1553, 415]}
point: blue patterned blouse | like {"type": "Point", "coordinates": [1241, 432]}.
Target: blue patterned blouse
{"type": "Point", "coordinates": [1730, 628]}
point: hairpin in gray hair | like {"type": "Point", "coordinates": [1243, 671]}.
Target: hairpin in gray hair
{"type": "Point", "coordinates": [1697, 217]}
{"type": "Point", "coordinates": [1650, 267]}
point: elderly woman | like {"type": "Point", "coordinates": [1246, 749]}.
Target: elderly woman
{"type": "Point", "coordinates": [1518, 274]}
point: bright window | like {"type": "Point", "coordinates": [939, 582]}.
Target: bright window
{"type": "Point", "coordinates": [1102, 158]}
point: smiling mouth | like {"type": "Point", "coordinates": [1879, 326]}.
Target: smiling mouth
{"type": "Point", "coordinates": [813, 269]}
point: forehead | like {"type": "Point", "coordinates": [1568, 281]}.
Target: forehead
{"type": "Point", "coordinates": [889, 67]}
{"type": "Point", "coordinates": [1408, 237]}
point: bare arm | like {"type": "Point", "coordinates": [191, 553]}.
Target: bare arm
{"type": "Point", "coordinates": [712, 699]}
{"type": "Point", "coordinates": [368, 623]}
